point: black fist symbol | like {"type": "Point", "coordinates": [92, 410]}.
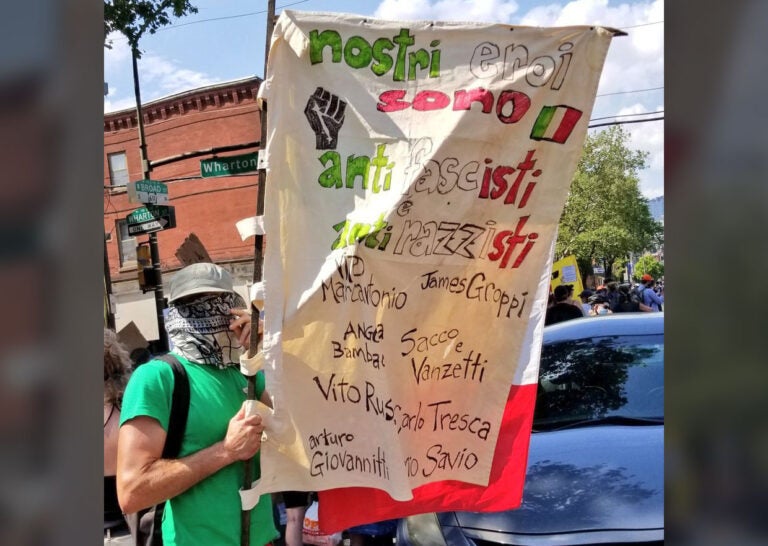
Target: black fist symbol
{"type": "Point", "coordinates": [325, 112]}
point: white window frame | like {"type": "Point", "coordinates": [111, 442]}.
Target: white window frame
{"type": "Point", "coordinates": [125, 241]}
{"type": "Point", "coordinates": [119, 177]}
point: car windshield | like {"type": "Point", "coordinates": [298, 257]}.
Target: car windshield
{"type": "Point", "coordinates": [617, 379]}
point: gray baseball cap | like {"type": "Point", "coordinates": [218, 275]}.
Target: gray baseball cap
{"type": "Point", "coordinates": [199, 278]}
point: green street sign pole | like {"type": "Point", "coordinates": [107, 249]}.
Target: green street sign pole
{"type": "Point", "coordinates": [154, 251]}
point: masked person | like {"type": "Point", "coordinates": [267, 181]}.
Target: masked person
{"type": "Point", "coordinates": [599, 305]}
{"type": "Point", "coordinates": [207, 324]}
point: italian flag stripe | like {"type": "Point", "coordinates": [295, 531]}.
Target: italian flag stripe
{"type": "Point", "coordinates": [542, 122]}
{"type": "Point", "coordinates": [555, 123]}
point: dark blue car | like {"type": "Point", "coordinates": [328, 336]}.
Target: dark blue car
{"type": "Point", "coordinates": [596, 462]}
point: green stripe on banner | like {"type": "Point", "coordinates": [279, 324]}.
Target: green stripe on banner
{"type": "Point", "coordinates": [543, 121]}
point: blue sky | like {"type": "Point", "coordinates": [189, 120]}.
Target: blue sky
{"type": "Point", "coordinates": [225, 41]}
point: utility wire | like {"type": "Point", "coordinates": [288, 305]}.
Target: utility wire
{"type": "Point", "coordinates": [624, 122]}
{"type": "Point", "coordinates": [249, 14]}
{"type": "Point", "coordinates": [643, 25]}
{"type": "Point", "coordinates": [628, 115]}
{"type": "Point", "coordinates": [223, 18]}
{"type": "Point", "coordinates": [625, 92]}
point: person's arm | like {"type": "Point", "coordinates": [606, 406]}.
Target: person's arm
{"type": "Point", "coordinates": [654, 297]}
{"type": "Point", "coordinates": [144, 478]}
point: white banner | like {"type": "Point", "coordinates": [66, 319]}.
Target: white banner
{"type": "Point", "coordinates": [416, 172]}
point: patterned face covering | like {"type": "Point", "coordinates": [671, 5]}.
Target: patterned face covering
{"type": "Point", "coordinates": [200, 330]}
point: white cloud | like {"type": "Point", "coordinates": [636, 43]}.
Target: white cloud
{"type": "Point", "coordinates": [634, 62]}
{"type": "Point", "coordinates": [448, 10]}
{"type": "Point", "coordinates": [165, 77]}
{"type": "Point", "coordinates": [158, 76]}
{"type": "Point", "coordinates": [648, 137]}
{"type": "Point", "coordinates": [118, 54]}
{"type": "Point", "coordinates": [118, 103]}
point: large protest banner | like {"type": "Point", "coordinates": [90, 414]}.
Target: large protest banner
{"type": "Point", "coordinates": [416, 172]}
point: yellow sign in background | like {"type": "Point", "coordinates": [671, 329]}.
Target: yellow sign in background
{"type": "Point", "coordinates": [566, 271]}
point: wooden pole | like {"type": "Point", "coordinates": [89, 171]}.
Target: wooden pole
{"type": "Point", "coordinates": [258, 263]}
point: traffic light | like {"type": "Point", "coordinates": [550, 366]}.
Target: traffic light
{"type": "Point", "coordinates": [147, 280]}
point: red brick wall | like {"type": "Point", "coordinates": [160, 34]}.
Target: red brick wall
{"type": "Point", "coordinates": [208, 207]}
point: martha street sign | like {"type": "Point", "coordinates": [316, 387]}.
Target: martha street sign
{"type": "Point", "coordinates": [147, 191]}
{"type": "Point", "coordinates": [151, 218]}
{"type": "Point", "coordinates": [227, 166]}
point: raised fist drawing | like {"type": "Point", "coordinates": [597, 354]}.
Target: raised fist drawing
{"type": "Point", "coordinates": [325, 112]}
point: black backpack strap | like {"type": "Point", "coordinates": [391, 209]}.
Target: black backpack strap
{"type": "Point", "coordinates": [177, 422]}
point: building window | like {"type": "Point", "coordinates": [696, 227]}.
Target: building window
{"type": "Point", "coordinates": [126, 244]}
{"type": "Point", "coordinates": [118, 169]}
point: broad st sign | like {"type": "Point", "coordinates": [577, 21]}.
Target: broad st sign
{"type": "Point", "coordinates": [148, 191]}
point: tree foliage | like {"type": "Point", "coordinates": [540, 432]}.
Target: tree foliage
{"type": "Point", "coordinates": [606, 217]}
{"type": "Point", "coordinates": [648, 264]}
{"type": "Point", "coordinates": [133, 18]}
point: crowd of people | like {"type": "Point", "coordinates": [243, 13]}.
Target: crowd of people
{"type": "Point", "coordinates": [196, 483]}
{"type": "Point", "coordinates": [646, 296]}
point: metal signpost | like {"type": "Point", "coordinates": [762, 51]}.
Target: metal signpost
{"type": "Point", "coordinates": [148, 191]}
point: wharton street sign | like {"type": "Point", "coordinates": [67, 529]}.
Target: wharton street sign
{"type": "Point", "coordinates": [148, 191]}
{"type": "Point", "coordinates": [227, 166]}
{"type": "Point", "coordinates": [151, 218]}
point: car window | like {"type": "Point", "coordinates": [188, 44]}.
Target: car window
{"type": "Point", "coordinates": [598, 377]}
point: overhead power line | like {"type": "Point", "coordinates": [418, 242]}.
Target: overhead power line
{"type": "Point", "coordinates": [624, 122]}
{"type": "Point", "coordinates": [626, 92]}
{"type": "Point", "coordinates": [628, 115]}
{"type": "Point", "coordinates": [249, 14]}
{"type": "Point", "coordinates": [229, 16]}
{"type": "Point", "coordinates": [644, 25]}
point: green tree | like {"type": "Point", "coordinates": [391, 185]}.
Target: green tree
{"type": "Point", "coordinates": [133, 18]}
{"type": "Point", "coordinates": [606, 217]}
{"type": "Point", "coordinates": [648, 264]}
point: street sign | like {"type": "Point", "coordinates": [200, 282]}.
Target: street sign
{"type": "Point", "coordinates": [148, 191]}
{"type": "Point", "coordinates": [227, 166]}
{"type": "Point", "coordinates": [151, 218]}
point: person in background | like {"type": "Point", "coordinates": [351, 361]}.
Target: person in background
{"type": "Point", "coordinates": [612, 294]}
{"type": "Point", "coordinates": [649, 295]}
{"type": "Point", "coordinates": [572, 300]}
{"type": "Point", "coordinates": [584, 297]}
{"type": "Point", "coordinates": [139, 356]}
{"type": "Point", "coordinates": [628, 301]}
{"type": "Point", "coordinates": [117, 365]}
{"type": "Point", "coordinates": [562, 310]}
{"type": "Point", "coordinates": [296, 504]}
{"type": "Point", "coordinates": [599, 306]}
{"type": "Point", "coordinates": [208, 326]}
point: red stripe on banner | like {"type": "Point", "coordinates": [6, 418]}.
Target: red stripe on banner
{"type": "Point", "coordinates": [343, 508]}
{"type": "Point", "coordinates": [570, 118]}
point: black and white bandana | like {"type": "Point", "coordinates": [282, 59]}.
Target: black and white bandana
{"type": "Point", "coordinates": [200, 330]}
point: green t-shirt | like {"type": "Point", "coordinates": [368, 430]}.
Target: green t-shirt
{"type": "Point", "coordinates": [209, 512]}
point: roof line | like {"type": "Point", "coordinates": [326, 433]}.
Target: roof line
{"type": "Point", "coordinates": [182, 94]}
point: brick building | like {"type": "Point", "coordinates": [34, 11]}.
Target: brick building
{"type": "Point", "coordinates": [181, 130]}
